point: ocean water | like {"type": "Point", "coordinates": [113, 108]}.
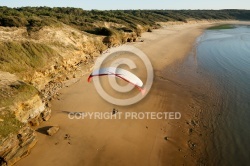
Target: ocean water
{"type": "Point", "coordinates": [223, 56]}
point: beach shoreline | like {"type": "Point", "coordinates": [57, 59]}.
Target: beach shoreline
{"type": "Point", "coordinates": [130, 142]}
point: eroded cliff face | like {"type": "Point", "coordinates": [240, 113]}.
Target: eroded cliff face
{"type": "Point", "coordinates": [28, 110]}
{"type": "Point", "coordinates": [71, 47]}
{"type": "Point", "coordinates": [16, 146]}
{"type": "Point", "coordinates": [28, 89]}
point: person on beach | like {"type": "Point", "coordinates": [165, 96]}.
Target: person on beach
{"type": "Point", "coordinates": [114, 111]}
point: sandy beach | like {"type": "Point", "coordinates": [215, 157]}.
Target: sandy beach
{"type": "Point", "coordinates": [129, 142]}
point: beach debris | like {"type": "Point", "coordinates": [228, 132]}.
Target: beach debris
{"type": "Point", "coordinates": [53, 130]}
{"type": "Point", "coordinates": [146, 127]}
{"type": "Point", "coordinates": [35, 121]}
{"type": "Point", "coordinates": [193, 123]}
{"type": "Point", "coordinates": [190, 130]}
{"type": "Point", "coordinates": [166, 138]}
{"type": "Point", "coordinates": [46, 114]}
{"type": "Point", "coordinates": [191, 145]}
{"type": "Point", "coordinates": [67, 137]}
{"type": "Point", "coordinates": [205, 126]}
{"type": "Point", "coordinates": [48, 104]}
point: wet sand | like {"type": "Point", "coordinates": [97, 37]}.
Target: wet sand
{"type": "Point", "coordinates": [130, 142]}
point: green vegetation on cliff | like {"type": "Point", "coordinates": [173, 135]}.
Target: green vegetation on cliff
{"type": "Point", "coordinates": [16, 92]}
{"type": "Point", "coordinates": [9, 124]}
{"type": "Point", "coordinates": [20, 57]}
{"type": "Point", "coordinates": [9, 95]}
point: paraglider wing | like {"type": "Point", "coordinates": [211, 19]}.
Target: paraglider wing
{"type": "Point", "coordinates": [120, 73]}
{"type": "Point", "coordinates": [102, 72]}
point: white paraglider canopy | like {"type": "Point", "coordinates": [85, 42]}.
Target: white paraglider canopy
{"type": "Point", "coordinates": [120, 73]}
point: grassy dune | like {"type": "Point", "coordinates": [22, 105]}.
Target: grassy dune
{"type": "Point", "coordinates": [20, 57]}
{"type": "Point", "coordinates": [9, 124]}
{"type": "Point", "coordinates": [16, 92]}
{"type": "Point", "coordinates": [10, 94]}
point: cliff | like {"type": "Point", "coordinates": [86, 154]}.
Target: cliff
{"type": "Point", "coordinates": [16, 146]}
{"type": "Point", "coordinates": [34, 66]}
